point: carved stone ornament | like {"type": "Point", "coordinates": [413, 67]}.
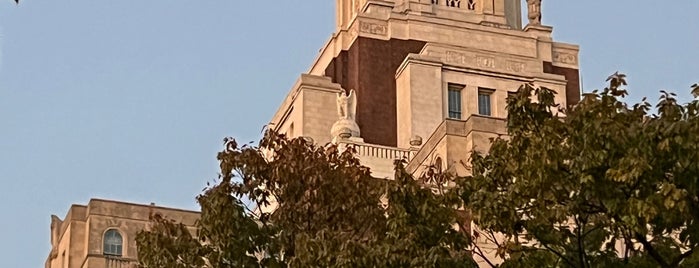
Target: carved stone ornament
{"type": "Point", "coordinates": [346, 126]}
{"type": "Point", "coordinates": [416, 141]}
{"type": "Point", "coordinates": [347, 104]}
{"type": "Point", "coordinates": [534, 12]}
{"type": "Point", "coordinates": [373, 28]}
{"type": "Point", "coordinates": [515, 66]}
{"type": "Point", "coordinates": [485, 61]}
{"type": "Point", "coordinates": [567, 58]}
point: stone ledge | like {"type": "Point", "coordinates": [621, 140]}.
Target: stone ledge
{"type": "Point", "coordinates": [453, 127]}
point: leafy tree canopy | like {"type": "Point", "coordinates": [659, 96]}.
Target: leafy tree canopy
{"type": "Point", "coordinates": [602, 184]}
{"type": "Point", "coordinates": [606, 185]}
{"type": "Point", "coordinates": [326, 211]}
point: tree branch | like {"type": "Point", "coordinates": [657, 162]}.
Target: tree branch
{"type": "Point", "coordinates": [494, 239]}
{"type": "Point", "coordinates": [651, 250]}
{"type": "Point", "coordinates": [581, 244]}
{"type": "Point", "coordinates": [591, 230]}
{"type": "Point", "coordinates": [569, 262]}
{"type": "Point", "coordinates": [680, 258]}
{"type": "Point", "coordinates": [480, 253]}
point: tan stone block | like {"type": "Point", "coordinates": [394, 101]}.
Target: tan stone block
{"type": "Point", "coordinates": [80, 234]}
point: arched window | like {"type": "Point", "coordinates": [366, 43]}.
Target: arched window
{"type": "Point", "coordinates": [113, 243]}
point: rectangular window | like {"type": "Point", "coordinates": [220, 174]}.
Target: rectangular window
{"type": "Point", "coordinates": [484, 106]}
{"type": "Point", "coordinates": [454, 100]}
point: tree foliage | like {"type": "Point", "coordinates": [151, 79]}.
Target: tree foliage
{"type": "Point", "coordinates": [606, 185]}
{"type": "Point", "coordinates": [602, 184]}
{"type": "Point", "coordinates": [325, 211]}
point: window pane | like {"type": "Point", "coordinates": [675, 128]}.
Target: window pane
{"type": "Point", "coordinates": [112, 241]}
{"type": "Point", "coordinates": [483, 103]}
{"type": "Point", "coordinates": [454, 101]}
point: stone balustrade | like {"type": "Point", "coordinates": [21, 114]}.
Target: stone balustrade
{"type": "Point", "coordinates": [118, 262]}
{"type": "Point", "coordinates": [383, 152]}
{"type": "Point", "coordinates": [380, 159]}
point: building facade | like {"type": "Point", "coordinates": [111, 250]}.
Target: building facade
{"type": "Point", "coordinates": [425, 81]}
{"type": "Point", "coordinates": [102, 233]}
{"type": "Point", "coordinates": [421, 80]}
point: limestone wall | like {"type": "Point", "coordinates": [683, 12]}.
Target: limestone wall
{"type": "Point", "coordinates": [80, 241]}
{"type": "Point", "coordinates": [309, 109]}
{"type": "Point", "coordinates": [454, 140]}
{"type": "Point", "coordinates": [420, 98]}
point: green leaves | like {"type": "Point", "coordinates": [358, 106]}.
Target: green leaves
{"type": "Point", "coordinates": [616, 81]}
{"type": "Point", "coordinates": [169, 244]}
{"type": "Point", "coordinates": [607, 185]}
{"type": "Point", "coordinates": [313, 207]}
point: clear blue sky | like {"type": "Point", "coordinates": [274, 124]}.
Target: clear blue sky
{"type": "Point", "coordinates": [130, 100]}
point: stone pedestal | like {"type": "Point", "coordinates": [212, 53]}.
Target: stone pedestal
{"type": "Point", "coordinates": [539, 30]}
{"type": "Point", "coordinates": [345, 128]}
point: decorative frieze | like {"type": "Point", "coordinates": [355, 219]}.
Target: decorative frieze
{"type": "Point", "coordinates": [495, 25]}
{"type": "Point", "coordinates": [485, 62]}
{"type": "Point", "coordinates": [565, 58]}
{"type": "Point", "coordinates": [514, 66]}
{"type": "Point", "coordinates": [373, 28]}
{"type": "Point", "coordinates": [456, 57]}
{"type": "Point", "coordinates": [469, 4]}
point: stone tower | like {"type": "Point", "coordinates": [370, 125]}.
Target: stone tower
{"type": "Point", "coordinates": [437, 71]}
{"type": "Point", "coordinates": [430, 79]}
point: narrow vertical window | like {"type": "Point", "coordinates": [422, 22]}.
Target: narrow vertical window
{"type": "Point", "coordinates": [113, 243]}
{"type": "Point", "coordinates": [484, 105]}
{"type": "Point", "coordinates": [454, 100]}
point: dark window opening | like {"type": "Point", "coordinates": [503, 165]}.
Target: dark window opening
{"type": "Point", "coordinates": [113, 243]}
{"type": "Point", "coordinates": [454, 100]}
{"type": "Point", "coordinates": [484, 104]}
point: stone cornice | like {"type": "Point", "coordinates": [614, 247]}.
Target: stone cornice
{"type": "Point", "coordinates": [305, 82]}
